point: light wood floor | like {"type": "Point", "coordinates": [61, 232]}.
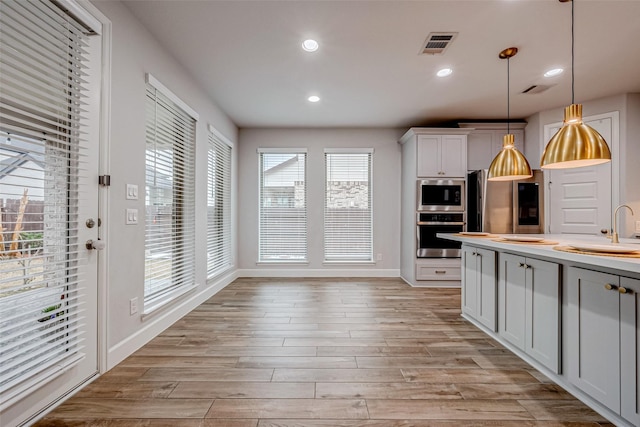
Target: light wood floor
{"type": "Point", "coordinates": [331, 353]}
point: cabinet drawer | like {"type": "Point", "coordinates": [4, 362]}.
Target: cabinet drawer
{"type": "Point", "coordinates": [427, 272]}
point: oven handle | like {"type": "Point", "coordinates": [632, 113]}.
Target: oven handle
{"type": "Point", "coordinates": [439, 223]}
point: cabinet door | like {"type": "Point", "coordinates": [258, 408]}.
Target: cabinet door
{"type": "Point", "coordinates": [511, 299]}
{"type": "Point", "coordinates": [593, 335]}
{"type": "Point", "coordinates": [480, 149]}
{"type": "Point", "coordinates": [486, 284]}
{"type": "Point", "coordinates": [454, 156]}
{"type": "Point", "coordinates": [543, 312]}
{"type": "Point", "coordinates": [469, 282]}
{"type": "Point", "coordinates": [630, 349]}
{"type": "Point", "coordinates": [429, 156]}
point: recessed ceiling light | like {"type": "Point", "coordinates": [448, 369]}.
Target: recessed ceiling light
{"type": "Point", "coordinates": [310, 45]}
{"type": "Point", "coordinates": [553, 72]}
{"type": "Point", "coordinates": [444, 72]}
{"type": "Point", "coordinates": [313, 98]}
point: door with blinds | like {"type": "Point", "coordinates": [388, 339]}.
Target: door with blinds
{"type": "Point", "coordinates": [49, 206]}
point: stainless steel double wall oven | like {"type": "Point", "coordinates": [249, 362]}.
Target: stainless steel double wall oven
{"type": "Point", "coordinates": [441, 209]}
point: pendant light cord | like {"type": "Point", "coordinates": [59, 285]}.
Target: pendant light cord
{"type": "Point", "coordinates": [508, 98]}
{"type": "Point", "coordinates": [573, 77]}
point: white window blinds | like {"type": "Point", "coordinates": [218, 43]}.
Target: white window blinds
{"type": "Point", "coordinates": [42, 152]}
{"type": "Point", "coordinates": [170, 198]}
{"type": "Point", "coordinates": [218, 206]}
{"type": "Point", "coordinates": [348, 206]}
{"type": "Point", "coordinates": [283, 206]}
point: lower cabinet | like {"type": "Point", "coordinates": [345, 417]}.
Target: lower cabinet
{"type": "Point", "coordinates": [604, 340]}
{"type": "Point", "coordinates": [479, 296]}
{"type": "Point", "coordinates": [529, 295]}
{"type": "Point", "coordinates": [438, 269]}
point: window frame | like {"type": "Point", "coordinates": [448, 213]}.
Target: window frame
{"type": "Point", "coordinates": [332, 257]}
{"type": "Point", "coordinates": [182, 212]}
{"type": "Point", "coordinates": [304, 241]}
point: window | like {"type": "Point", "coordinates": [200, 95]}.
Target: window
{"type": "Point", "coordinates": [218, 205]}
{"type": "Point", "coordinates": [283, 205]}
{"type": "Point", "coordinates": [170, 197]}
{"type": "Point", "coordinates": [348, 206]}
{"type": "Point", "coordinates": [43, 167]}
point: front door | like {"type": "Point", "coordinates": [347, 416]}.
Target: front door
{"type": "Point", "coordinates": [49, 145]}
{"type": "Point", "coordinates": [580, 198]}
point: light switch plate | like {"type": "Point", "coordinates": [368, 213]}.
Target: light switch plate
{"type": "Point", "coordinates": [637, 226]}
{"type": "Point", "coordinates": [132, 217]}
{"type": "Point", "coordinates": [132, 192]}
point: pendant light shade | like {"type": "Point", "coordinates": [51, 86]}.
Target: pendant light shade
{"type": "Point", "coordinates": [510, 164]}
{"type": "Point", "coordinates": [575, 144]}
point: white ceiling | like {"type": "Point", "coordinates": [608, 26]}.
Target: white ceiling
{"type": "Point", "coordinates": [368, 73]}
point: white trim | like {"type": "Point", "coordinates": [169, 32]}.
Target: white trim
{"type": "Point", "coordinates": [172, 96]}
{"type": "Point", "coordinates": [348, 150]}
{"type": "Point", "coordinates": [78, 10]}
{"type": "Point", "coordinates": [154, 306]}
{"type": "Point", "coordinates": [283, 262]}
{"type": "Point", "coordinates": [104, 168]}
{"type": "Point", "coordinates": [304, 272]}
{"type": "Point", "coordinates": [296, 150]}
{"type": "Point", "coordinates": [348, 262]}
{"type": "Point", "coordinates": [216, 133]}
{"type": "Point", "coordinates": [155, 326]}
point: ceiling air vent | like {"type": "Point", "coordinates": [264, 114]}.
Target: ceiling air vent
{"type": "Point", "coordinates": [437, 43]}
{"type": "Point", "coordinates": [532, 90]}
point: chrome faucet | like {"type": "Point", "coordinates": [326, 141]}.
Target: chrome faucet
{"type": "Point", "coordinates": [614, 236]}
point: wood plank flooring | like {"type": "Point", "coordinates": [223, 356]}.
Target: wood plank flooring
{"type": "Point", "coordinates": [323, 353]}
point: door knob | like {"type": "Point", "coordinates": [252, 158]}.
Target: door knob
{"type": "Point", "coordinates": [97, 245]}
{"type": "Point", "coordinates": [624, 290]}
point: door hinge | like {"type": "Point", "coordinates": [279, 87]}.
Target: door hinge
{"type": "Point", "coordinates": [104, 180]}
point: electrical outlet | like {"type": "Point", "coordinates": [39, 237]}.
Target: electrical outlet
{"type": "Point", "coordinates": [379, 257]}
{"type": "Point", "coordinates": [133, 306]}
{"type": "Point", "coordinates": [637, 226]}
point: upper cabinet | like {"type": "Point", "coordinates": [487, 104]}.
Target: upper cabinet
{"type": "Point", "coordinates": [485, 142]}
{"type": "Point", "coordinates": [439, 152]}
{"type": "Point", "coordinates": [442, 156]}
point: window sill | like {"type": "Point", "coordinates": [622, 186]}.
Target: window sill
{"type": "Point", "coordinates": [349, 262]}
{"type": "Point", "coordinates": [155, 306]}
{"type": "Point", "coordinates": [282, 262]}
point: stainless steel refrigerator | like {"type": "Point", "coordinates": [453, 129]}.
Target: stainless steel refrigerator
{"type": "Point", "coordinates": [505, 207]}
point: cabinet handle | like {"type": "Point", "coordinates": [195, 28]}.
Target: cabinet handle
{"type": "Point", "coordinates": [610, 287]}
{"type": "Point", "coordinates": [522, 265]}
{"type": "Point", "coordinates": [441, 272]}
{"type": "Point", "coordinates": [624, 290]}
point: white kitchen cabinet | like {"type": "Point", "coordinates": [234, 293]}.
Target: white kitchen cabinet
{"type": "Point", "coordinates": [438, 269]}
{"type": "Point", "coordinates": [442, 156]}
{"type": "Point", "coordinates": [479, 285]}
{"type": "Point", "coordinates": [485, 142]}
{"type": "Point", "coordinates": [603, 339]}
{"type": "Point", "coordinates": [529, 307]}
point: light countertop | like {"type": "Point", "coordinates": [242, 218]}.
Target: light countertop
{"type": "Point", "coordinates": [631, 265]}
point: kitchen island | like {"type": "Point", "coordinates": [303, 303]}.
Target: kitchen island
{"type": "Point", "coordinates": [573, 316]}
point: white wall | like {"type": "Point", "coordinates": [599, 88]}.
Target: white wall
{"type": "Point", "coordinates": [386, 198]}
{"type": "Point", "coordinates": [134, 53]}
{"type": "Point", "coordinates": [628, 106]}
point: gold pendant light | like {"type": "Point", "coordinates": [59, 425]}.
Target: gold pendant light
{"type": "Point", "coordinates": [510, 164]}
{"type": "Point", "coordinates": [575, 144]}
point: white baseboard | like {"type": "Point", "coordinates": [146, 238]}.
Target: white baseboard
{"type": "Point", "coordinates": [433, 283]}
{"type": "Point", "coordinates": [299, 272]}
{"type": "Point", "coordinates": [158, 323]}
